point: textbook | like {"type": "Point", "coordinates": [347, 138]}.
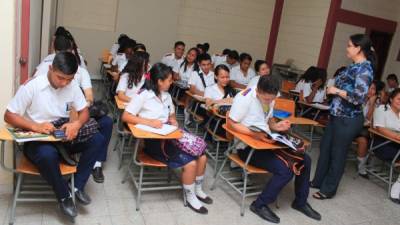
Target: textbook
{"type": "Point", "coordinates": [164, 130]}
{"type": "Point", "coordinates": [280, 114]}
{"type": "Point", "coordinates": [296, 144]}
{"type": "Point", "coordinates": [25, 136]}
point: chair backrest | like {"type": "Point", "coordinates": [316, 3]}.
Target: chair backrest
{"type": "Point", "coordinates": [288, 85]}
{"type": "Point", "coordinates": [287, 105]}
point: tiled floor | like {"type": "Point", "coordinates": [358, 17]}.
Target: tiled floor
{"type": "Point", "coordinates": [358, 201]}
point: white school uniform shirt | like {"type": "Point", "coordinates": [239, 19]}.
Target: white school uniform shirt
{"type": "Point", "coordinates": [114, 49]}
{"type": "Point", "coordinates": [197, 82]}
{"type": "Point", "coordinates": [299, 86]}
{"type": "Point", "coordinates": [170, 60]}
{"type": "Point", "coordinates": [120, 60]}
{"type": "Point", "coordinates": [319, 96]}
{"type": "Point", "coordinates": [253, 81]}
{"type": "Point", "coordinates": [40, 102]}
{"type": "Point", "coordinates": [218, 59]}
{"type": "Point", "coordinates": [386, 118]}
{"type": "Point", "coordinates": [330, 82]}
{"type": "Point", "coordinates": [147, 105]}
{"type": "Point", "coordinates": [185, 75]}
{"type": "Point", "coordinates": [213, 92]}
{"type": "Point", "coordinates": [123, 85]}
{"type": "Point", "coordinates": [249, 111]}
{"type": "Point", "coordinates": [82, 76]}
{"type": "Point", "coordinates": [238, 76]}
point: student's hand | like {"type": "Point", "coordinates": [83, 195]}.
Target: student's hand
{"type": "Point", "coordinates": [155, 123]}
{"type": "Point", "coordinates": [262, 137]}
{"type": "Point", "coordinates": [44, 128]}
{"type": "Point", "coordinates": [316, 84]}
{"type": "Point", "coordinates": [331, 90]}
{"type": "Point", "coordinates": [71, 130]}
{"type": "Point", "coordinates": [173, 123]}
{"type": "Point", "coordinates": [283, 125]}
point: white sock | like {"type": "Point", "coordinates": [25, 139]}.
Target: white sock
{"type": "Point", "coordinates": [362, 163]}
{"type": "Point", "coordinates": [186, 117]}
{"type": "Point", "coordinates": [395, 191]}
{"type": "Point", "coordinates": [97, 164]}
{"type": "Point", "coordinates": [191, 196]}
{"type": "Point", "coordinates": [199, 189]}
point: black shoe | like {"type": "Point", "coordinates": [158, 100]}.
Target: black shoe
{"type": "Point", "coordinates": [203, 210]}
{"type": "Point", "coordinates": [206, 200]}
{"type": "Point", "coordinates": [395, 200]}
{"type": "Point", "coordinates": [312, 185]}
{"type": "Point", "coordinates": [265, 212]}
{"type": "Point", "coordinates": [365, 176]}
{"type": "Point", "coordinates": [308, 211]}
{"type": "Point", "coordinates": [98, 175]}
{"type": "Point", "coordinates": [68, 208]}
{"type": "Point", "coordinates": [83, 197]}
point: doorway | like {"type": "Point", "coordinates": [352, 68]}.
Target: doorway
{"type": "Point", "coordinates": [381, 42]}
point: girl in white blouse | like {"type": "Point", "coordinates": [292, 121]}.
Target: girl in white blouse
{"type": "Point", "coordinates": [132, 76]}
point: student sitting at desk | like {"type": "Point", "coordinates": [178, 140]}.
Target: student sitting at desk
{"type": "Point", "coordinates": [262, 69]}
{"type": "Point", "coordinates": [231, 61]}
{"type": "Point", "coordinates": [132, 78]}
{"type": "Point", "coordinates": [82, 79]}
{"type": "Point", "coordinates": [387, 121]}
{"type": "Point", "coordinates": [114, 48]}
{"type": "Point", "coordinates": [176, 58]}
{"type": "Point", "coordinates": [124, 53]}
{"type": "Point", "coordinates": [187, 67]}
{"type": "Point", "coordinates": [373, 101]}
{"type": "Point", "coordinates": [153, 106]}
{"type": "Point", "coordinates": [220, 92]}
{"type": "Point", "coordinates": [37, 104]}
{"type": "Point", "coordinates": [242, 74]}
{"type": "Point", "coordinates": [203, 78]}
{"type": "Point", "coordinates": [313, 90]}
{"type": "Point", "coordinates": [304, 78]}
{"type": "Point", "coordinates": [254, 107]}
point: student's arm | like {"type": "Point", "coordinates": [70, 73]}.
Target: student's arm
{"type": "Point", "coordinates": [18, 121]}
{"type": "Point", "coordinates": [238, 127]}
{"type": "Point", "coordinates": [130, 118]}
{"type": "Point", "coordinates": [389, 133]}
{"type": "Point", "coordinates": [195, 91]}
{"type": "Point", "coordinates": [123, 97]}
{"type": "Point", "coordinates": [283, 125]}
{"type": "Point", "coordinates": [88, 92]}
{"type": "Point", "coordinates": [234, 84]}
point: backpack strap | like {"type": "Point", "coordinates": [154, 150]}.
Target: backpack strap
{"type": "Point", "coordinates": [202, 79]}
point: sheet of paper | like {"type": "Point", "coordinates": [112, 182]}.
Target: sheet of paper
{"type": "Point", "coordinates": [164, 130]}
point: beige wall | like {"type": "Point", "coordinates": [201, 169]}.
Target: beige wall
{"type": "Point", "coordinates": [338, 55]}
{"type": "Point", "coordinates": [152, 22]}
{"type": "Point", "coordinates": [235, 24]}
{"type": "Point", "coordinates": [301, 32]}
{"type": "Point", "coordinates": [387, 9]}
{"type": "Point", "coordinates": [243, 25]}
{"type": "Point", "coordinates": [7, 69]}
{"type": "Point", "coordinates": [48, 26]}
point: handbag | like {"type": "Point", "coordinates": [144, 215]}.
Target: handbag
{"type": "Point", "coordinates": [190, 143]}
{"type": "Point", "coordinates": [98, 109]}
{"type": "Point", "coordinates": [90, 128]}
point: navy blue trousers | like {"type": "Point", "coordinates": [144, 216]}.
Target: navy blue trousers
{"type": "Point", "coordinates": [335, 143]}
{"type": "Point", "coordinates": [106, 127]}
{"type": "Point", "coordinates": [47, 159]}
{"type": "Point", "coordinates": [282, 175]}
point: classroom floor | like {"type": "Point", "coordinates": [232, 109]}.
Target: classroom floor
{"type": "Point", "coordinates": [358, 202]}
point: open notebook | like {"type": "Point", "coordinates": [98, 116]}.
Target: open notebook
{"type": "Point", "coordinates": [25, 136]}
{"type": "Point", "coordinates": [292, 142]}
{"type": "Point", "coordinates": [164, 130]}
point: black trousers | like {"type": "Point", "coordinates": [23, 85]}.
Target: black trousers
{"type": "Point", "coordinates": [334, 146]}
